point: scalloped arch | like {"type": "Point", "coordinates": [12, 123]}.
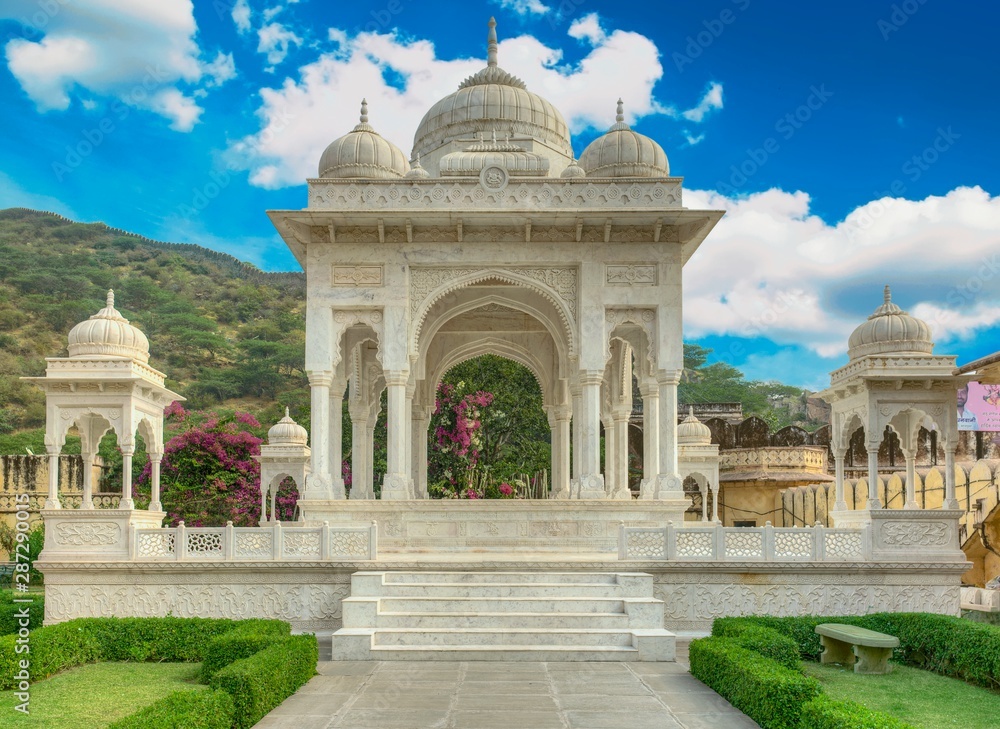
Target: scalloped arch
{"type": "Point", "coordinates": [500, 348]}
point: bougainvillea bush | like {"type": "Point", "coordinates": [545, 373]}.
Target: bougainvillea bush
{"type": "Point", "coordinates": [208, 475]}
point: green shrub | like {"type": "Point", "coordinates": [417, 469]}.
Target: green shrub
{"type": "Point", "coordinates": [9, 618]}
{"type": "Point", "coordinates": [825, 713]}
{"type": "Point", "coordinates": [940, 643]}
{"type": "Point", "coordinates": [760, 687]}
{"type": "Point", "coordinates": [183, 710]}
{"type": "Point", "coordinates": [242, 642]}
{"type": "Point", "coordinates": [87, 640]}
{"type": "Point", "coordinates": [770, 644]}
{"type": "Point", "coordinates": [259, 683]}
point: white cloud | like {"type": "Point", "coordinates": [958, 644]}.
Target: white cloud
{"type": "Point", "coordinates": [588, 27]}
{"type": "Point", "coordinates": [693, 140]}
{"type": "Point", "coordinates": [525, 7]}
{"type": "Point", "coordinates": [300, 118]}
{"type": "Point", "coordinates": [275, 40]}
{"type": "Point", "coordinates": [241, 16]}
{"type": "Point", "coordinates": [222, 69]}
{"type": "Point", "coordinates": [711, 101]}
{"type": "Point", "coordinates": [771, 268]}
{"type": "Point", "coordinates": [139, 51]}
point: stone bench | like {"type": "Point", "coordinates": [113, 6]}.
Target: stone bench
{"type": "Point", "coordinates": [871, 650]}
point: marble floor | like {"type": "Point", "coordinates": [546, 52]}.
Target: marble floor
{"type": "Point", "coordinates": [506, 695]}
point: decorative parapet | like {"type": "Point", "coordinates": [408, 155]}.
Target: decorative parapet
{"type": "Point", "coordinates": [919, 365]}
{"type": "Point", "coordinates": [924, 534]}
{"type": "Point", "coordinates": [798, 458]}
{"type": "Point", "coordinates": [743, 544]}
{"type": "Point", "coordinates": [275, 542]}
{"type": "Point", "coordinates": [327, 194]}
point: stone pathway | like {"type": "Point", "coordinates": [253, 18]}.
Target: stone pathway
{"type": "Point", "coordinates": [506, 695]}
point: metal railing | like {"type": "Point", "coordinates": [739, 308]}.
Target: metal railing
{"type": "Point", "coordinates": [741, 544]}
{"type": "Point", "coordinates": [274, 543]}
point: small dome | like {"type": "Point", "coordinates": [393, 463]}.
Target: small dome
{"type": "Point", "coordinates": [624, 153]}
{"type": "Point", "coordinates": [363, 153]}
{"type": "Point", "coordinates": [108, 334]}
{"type": "Point", "coordinates": [287, 432]}
{"type": "Point", "coordinates": [417, 172]}
{"type": "Point", "coordinates": [693, 432]}
{"type": "Point", "coordinates": [574, 170]}
{"type": "Point", "coordinates": [890, 330]}
{"type": "Point", "coordinates": [492, 99]}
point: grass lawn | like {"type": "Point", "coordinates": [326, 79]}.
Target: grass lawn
{"type": "Point", "coordinates": [921, 698]}
{"type": "Point", "coordinates": [93, 696]}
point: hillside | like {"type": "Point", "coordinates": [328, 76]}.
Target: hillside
{"type": "Point", "coordinates": [226, 334]}
{"type": "Point", "coordinates": [222, 330]}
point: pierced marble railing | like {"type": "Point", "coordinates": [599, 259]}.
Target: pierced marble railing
{"type": "Point", "coordinates": [275, 542]}
{"type": "Point", "coordinates": [740, 544]}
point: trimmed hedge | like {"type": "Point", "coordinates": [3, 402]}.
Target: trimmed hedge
{"type": "Point", "coordinates": [9, 618]}
{"type": "Point", "coordinates": [259, 683]}
{"type": "Point", "coordinates": [88, 640]}
{"type": "Point", "coordinates": [939, 643]}
{"type": "Point", "coordinates": [825, 713]}
{"type": "Point", "coordinates": [242, 642]}
{"type": "Point", "coordinates": [183, 710]}
{"type": "Point", "coordinates": [769, 643]}
{"type": "Point", "coordinates": [760, 687]}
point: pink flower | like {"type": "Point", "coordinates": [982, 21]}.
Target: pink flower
{"type": "Point", "coordinates": [506, 489]}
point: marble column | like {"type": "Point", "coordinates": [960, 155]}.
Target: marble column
{"type": "Point", "coordinates": [318, 483]}
{"type": "Point", "coordinates": [715, 505]}
{"type": "Point", "coordinates": [840, 503]}
{"type": "Point", "coordinates": [610, 454]}
{"type": "Point", "coordinates": [420, 424]}
{"type": "Point", "coordinates": [873, 500]}
{"type": "Point", "coordinates": [950, 501]}
{"type": "Point", "coordinates": [263, 504]}
{"type": "Point", "coordinates": [559, 424]}
{"type": "Point", "coordinates": [128, 450]}
{"type": "Point", "coordinates": [374, 410]}
{"type": "Point", "coordinates": [411, 476]}
{"type": "Point", "coordinates": [88, 456]}
{"type": "Point", "coordinates": [395, 483]}
{"type": "Point", "coordinates": [577, 425]}
{"type": "Point", "coordinates": [154, 478]}
{"type": "Point", "coordinates": [704, 501]}
{"type": "Point", "coordinates": [52, 500]}
{"type": "Point", "coordinates": [911, 480]}
{"type": "Point", "coordinates": [360, 487]}
{"type": "Point", "coordinates": [591, 479]}
{"type": "Point", "coordinates": [650, 441]}
{"type": "Point", "coordinates": [336, 439]}
{"type": "Point", "coordinates": [668, 483]}
{"type": "Point", "coordinates": [620, 429]}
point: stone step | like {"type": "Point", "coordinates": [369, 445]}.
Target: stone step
{"type": "Point", "coordinates": [528, 589]}
{"type": "Point", "coordinates": [542, 653]}
{"type": "Point", "coordinates": [457, 620]}
{"type": "Point", "coordinates": [498, 604]}
{"type": "Point", "coordinates": [500, 636]}
{"type": "Point", "coordinates": [608, 578]}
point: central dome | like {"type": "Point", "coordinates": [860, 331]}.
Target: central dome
{"type": "Point", "coordinates": [890, 330]}
{"type": "Point", "coordinates": [492, 100]}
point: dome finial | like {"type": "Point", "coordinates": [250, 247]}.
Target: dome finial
{"type": "Point", "coordinates": [691, 411]}
{"type": "Point", "coordinates": [364, 111]}
{"type": "Point", "coordinates": [620, 117]}
{"type": "Point", "coordinates": [286, 412]}
{"type": "Point", "coordinates": [110, 301]}
{"type": "Point", "coordinates": [887, 295]}
{"type": "Point", "coordinates": [491, 44]}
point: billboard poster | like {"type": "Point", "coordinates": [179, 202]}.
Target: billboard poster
{"type": "Point", "coordinates": [979, 407]}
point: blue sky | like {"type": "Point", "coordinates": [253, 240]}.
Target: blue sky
{"type": "Point", "coordinates": [852, 144]}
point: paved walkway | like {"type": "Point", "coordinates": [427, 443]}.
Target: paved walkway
{"type": "Point", "coordinates": [506, 695]}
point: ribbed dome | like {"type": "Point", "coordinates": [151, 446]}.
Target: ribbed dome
{"type": "Point", "coordinates": [363, 153]}
{"type": "Point", "coordinates": [491, 100]}
{"type": "Point", "coordinates": [108, 334]}
{"type": "Point", "coordinates": [890, 330]}
{"type": "Point", "coordinates": [624, 153]}
{"type": "Point", "coordinates": [574, 170]}
{"type": "Point", "coordinates": [417, 172]}
{"type": "Point", "coordinates": [287, 432]}
{"type": "Point", "coordinates": [693, 432]}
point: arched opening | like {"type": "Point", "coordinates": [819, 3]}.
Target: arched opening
{"type": "Point", "coordinates": [489, 434]}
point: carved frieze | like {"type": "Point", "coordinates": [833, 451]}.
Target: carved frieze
{"type": "Point", "coordinates": [916, 533]}
{"type": "Point", "coordinates": [630, 274]}
{"type": "Point", "coordinates": [88, 534]}
{"type": "Point", "coordinates": [357, 275]}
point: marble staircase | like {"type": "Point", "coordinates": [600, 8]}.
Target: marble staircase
{"type": "Point", "coordinates": [502, 616]}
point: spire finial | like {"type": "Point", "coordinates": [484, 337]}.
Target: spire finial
{"type": "Point", "coordinates": [491, 44]}
{"type": "Point", "coordinates": [621, 111]}
{"type": "Point", "coordinates": [110, 301]}
{"type": "Point", "coordinates": [887, 295]}
{"type": "Point", "coordinates": [364, 111]}
{"type": "Point", "coordinates": [286, 412]}
{"type": "Point", "coordinates": [691, 411]}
